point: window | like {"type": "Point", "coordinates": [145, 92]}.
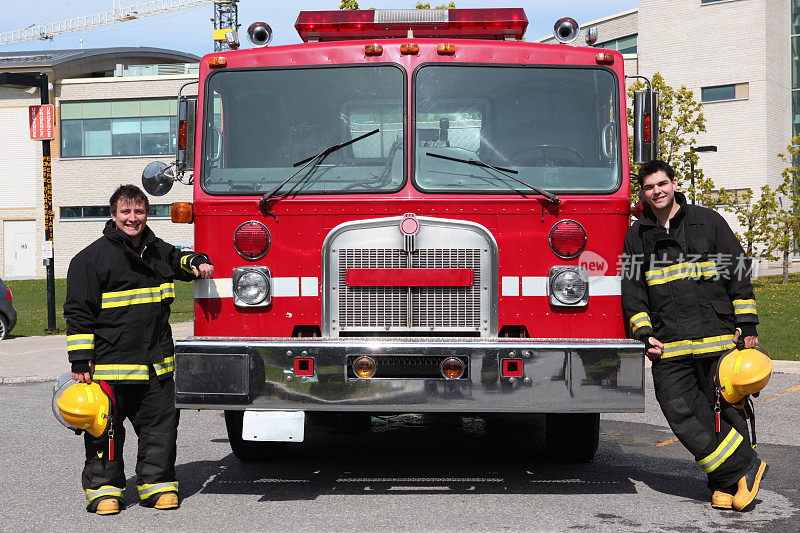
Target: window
{"type": "Point", "coordinates": [118, 128]}
{"type": "Point", "coordinates": [101, 211]}
{"type": "Point", "coordinates": [735, 196]}
{"type": "Point", "coordinates": [721, 93]}
{"type": "Point", "coordinates": [795, 58]}
{"type": "Point", "coordinates": [625, 45]}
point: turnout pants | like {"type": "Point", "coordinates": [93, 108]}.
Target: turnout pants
{"type": "Point", "coordinates": [150, 407]}
{"type": "Point", "coordinates": [685, 391]}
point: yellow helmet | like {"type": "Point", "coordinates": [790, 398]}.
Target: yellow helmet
{"type": "Point", "coordinates": [81, 406]}
{"type": "Point", "coordinates": [742, 372]}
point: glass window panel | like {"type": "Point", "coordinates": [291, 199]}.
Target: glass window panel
{"type": "Point", "coordinates": [627, 45]}
{"type": "Point", "coordinates": [71, 110]}
{"type": "Point", "coordinates": [125, 136]}
{"type": "Point", "coordinates": [556, 127]}
{"type": "Point", "coordinates": [722, 92]}
{"type": "Point", "coordinates": [96, 109]}
{"type": "Point", "coordinates": [154, 108]}
{"type": "Point", "coordinates": [795, 60]}
{"type": "Point", "coordinates": [70, 212]}
{"type": "Point", "coordinates": [71, 133]}
{"type": "Point", "coordinates": [155, 135]}
{"type": "Point", "coordinates": [795, 113]}
{"type": "Point", "coordinates": [795, 16]}
{"type": "Point", "coordinates": [173, 106]}
{"type": "Point", "coordinates": [97, 137]}
{"type": "Point", "coordinates": [96, 211]}
{"type": "Point", "coordinates": [159, 210]}
{"type": "Point", "coordinates": [125, 108]}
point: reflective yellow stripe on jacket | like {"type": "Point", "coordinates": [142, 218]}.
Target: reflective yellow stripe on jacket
{"type": "Point", "coordinates": [698, 346]}
{"type": "Point", "coordinates": [744, 307]}
{"type": "Point", "coordinates": [122, 372]}
{"type": "Point", "coordinates": [81, 341]}
{"type": "Point", "coordinates": [138, 296]}
{"type": "Point", "coordinates": [705, 269]}
{"type": "Point", "coordinates": [145, 491]}
{"type": "Point", "coordinates": [640, 320]}
{"type": "Point", "coordinates": [186, 263]}
{"type": "Point", "coordinates": [723, 451]}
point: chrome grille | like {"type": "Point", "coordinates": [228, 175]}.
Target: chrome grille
{"type": "Point", "coordinates": [442, 308]}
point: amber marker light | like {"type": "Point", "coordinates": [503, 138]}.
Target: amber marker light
{"type": "Point", "coordinates": [604, 58]}
{"type": "Point", "coordinates": [217, 61]}
{"type": "Point", "coordinates": [445, 49]}
{"type": "Point", "coordinates": [181, 212]}
{"type": "Point", "coordinates": [409, 48]}
{"type": "Point", "coordinates": [364, 367]}
{"type": "Point", "coordinates": [452, 368]}
{"type": "Point", "coordinates": [373, 49]}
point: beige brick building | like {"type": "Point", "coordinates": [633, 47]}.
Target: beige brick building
{"type": "Point", "coordinates": [113, 110]}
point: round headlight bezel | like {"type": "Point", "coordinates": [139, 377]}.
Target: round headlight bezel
{"type": "Point", "coordinates": [238, 237]}
{"type": "Point", "coordinates": [578, 279]}
{"type": "Point", "coordinates": [265, 292]}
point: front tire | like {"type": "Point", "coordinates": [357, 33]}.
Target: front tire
{"type": "Point", "coordinates": [3, 327]}
{"type": "Point", "coordinates": [247, 450]}
{"type": "Point", "coordinates": [573, 437]}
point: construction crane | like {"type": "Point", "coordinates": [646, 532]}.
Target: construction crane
{"type": "Point", "coordinates": [224, 13]}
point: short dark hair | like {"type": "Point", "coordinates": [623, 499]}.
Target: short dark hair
{"type": "Point", "coordinates": [651, 167]}
{"type": "Point", "coordinates": [132, 194]}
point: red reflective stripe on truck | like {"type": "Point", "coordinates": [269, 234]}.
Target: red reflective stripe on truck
{"type": "Point", "coordinates": [409, 277]}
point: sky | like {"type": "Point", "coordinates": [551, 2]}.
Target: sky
{"type": "Point", "coordinates": [189, 30]}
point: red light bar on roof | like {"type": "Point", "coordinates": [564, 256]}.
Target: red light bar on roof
{"type": "Point", "coordinates": [500, 23]}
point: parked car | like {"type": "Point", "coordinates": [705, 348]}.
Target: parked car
{"type": "Point", "coordinates": [8, 315]}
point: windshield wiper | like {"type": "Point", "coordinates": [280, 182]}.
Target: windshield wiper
{"type": "Point", "coordinates": [504, 171]}
{"type": "Point", "coordinates": [311, 163]}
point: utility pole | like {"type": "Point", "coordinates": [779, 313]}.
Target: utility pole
{"type": "Point", "coordinates": [47, 175]}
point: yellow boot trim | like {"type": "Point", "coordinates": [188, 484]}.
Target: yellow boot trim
{"type": "Point", "coordinates": [145, 491]}
{"type": "Point", "coordinates": [723, 451]}
{"type": "Point", "coordinates": [105, 490]}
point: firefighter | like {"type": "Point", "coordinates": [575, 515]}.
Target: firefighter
{"type": "Point", "coordinates": [119, 289]}
{"type": "Point", "coordinates": [686, 294]}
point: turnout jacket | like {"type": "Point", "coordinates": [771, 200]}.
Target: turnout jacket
{"type": "Point", "coordinates": [117, 306]}
{"type": "Point", "coordinates": [688, 287]}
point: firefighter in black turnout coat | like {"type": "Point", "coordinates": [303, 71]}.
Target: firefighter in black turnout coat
{"type": "Point", "coordinates": [119, 289]}
{"type": "Point", "coordinates": [686, 294]}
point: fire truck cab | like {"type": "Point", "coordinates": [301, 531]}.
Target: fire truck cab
{"type": "Point", "coordinates": [413, 211]}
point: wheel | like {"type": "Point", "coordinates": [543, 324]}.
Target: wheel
{"type": "Point", "coordinates": [3, 327]}
{"type": "Point", "coordinates": [568, 157]}
{"type": "Point", "coordinates": [572, 437]}
{"type": "Point", "coordinates": [246, 450]}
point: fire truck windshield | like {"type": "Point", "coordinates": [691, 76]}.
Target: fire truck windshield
{"type": "Point", "coordinates": [259, 123]}
{"type": "Point", "coordinates": [558, 128]}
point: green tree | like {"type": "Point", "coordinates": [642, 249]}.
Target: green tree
{"type": "Point", "coordinates": [754, 216]}
{"type": "Point", "coordinates": [349, 5]}
{"type": "Point", "coordinates": [427, 5]}
{"type": "Point", "coordinates": [784, 227]}
{"type": "Point", "coordinates": [680, 120]}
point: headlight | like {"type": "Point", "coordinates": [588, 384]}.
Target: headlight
{"type": "Point", "coordinates": [251, 286]}
{"type": "Point", "coordinates": [568, 286]}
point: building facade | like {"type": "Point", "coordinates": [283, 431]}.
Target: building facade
{"type": "Point", "coordinates": [114, 113]}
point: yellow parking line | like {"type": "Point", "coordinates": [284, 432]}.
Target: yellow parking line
{"type": "Point", "coordinates": [779, 395]}
{"type": "Point", "coordinates": [667, 442]}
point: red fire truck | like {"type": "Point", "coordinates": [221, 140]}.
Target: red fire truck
{"type": "Point", "coordinates": [413, 211]}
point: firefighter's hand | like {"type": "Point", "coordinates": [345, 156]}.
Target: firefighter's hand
{"type": "Point", "coordinates": [84, 377]}
{"type": "Point", "coordinates": [655, 350]}
{"type": "Point", "coordinates": [749, 341]}
{"type": "Point", "coordinates": [204, 271]}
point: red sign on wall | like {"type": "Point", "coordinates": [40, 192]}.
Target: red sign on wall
{"type": "Point", "coordinates": [40, 118]}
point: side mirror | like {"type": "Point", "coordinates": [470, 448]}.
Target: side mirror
{"type": "Point", "coordinates": [156, 179]}
{"type": "Point", "coordinates": [187, 117]}
{"type": "Point", "coordinates": [645, 126]}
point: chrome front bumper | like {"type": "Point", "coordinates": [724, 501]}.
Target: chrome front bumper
{"type": "Point", "coordinates": [559, 375]}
